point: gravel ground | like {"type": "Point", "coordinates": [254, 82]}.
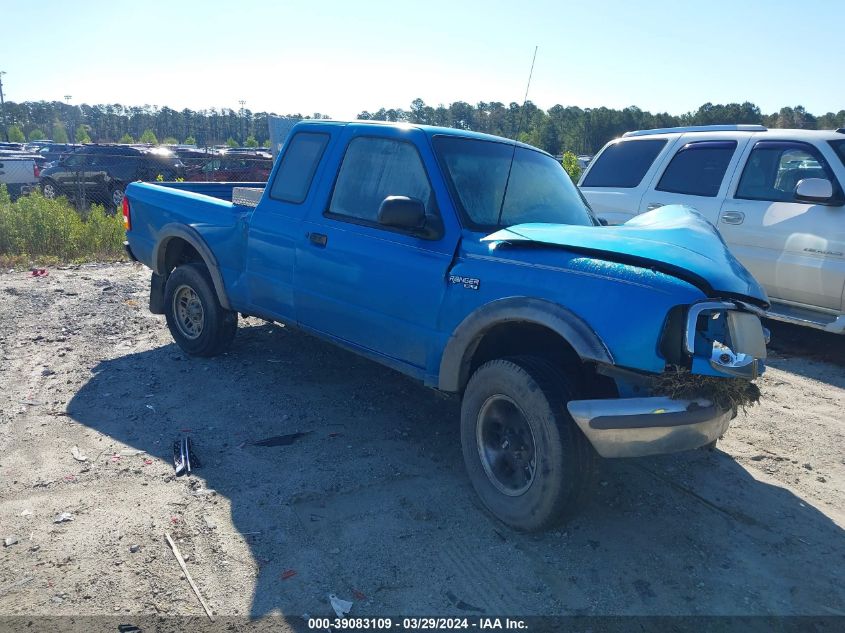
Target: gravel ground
{"type": "Point", "coordinates": [370, 501]}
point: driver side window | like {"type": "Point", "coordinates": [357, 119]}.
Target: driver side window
{"type": "Point", "coordinates": [76, 160]}
{"type": "Point", "coordinates": [374, 168]}
{"type": "Point", "coordinates": [775, 168]}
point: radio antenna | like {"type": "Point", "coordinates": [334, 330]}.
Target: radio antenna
{"type": "Point", "coordinates": [516, 140]}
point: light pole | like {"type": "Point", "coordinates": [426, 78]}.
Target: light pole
{"type": "Point", "coordinates": [3, 106]}
{"type": "Point", "coordinates": [243, 140]}
{"type": "Point", "coordinates": [69, 130]}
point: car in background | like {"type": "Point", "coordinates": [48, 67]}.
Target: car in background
{"type": "Point", "coordinates": [238, 165]}
{"type": "Point", "coordinates": [99, 173]}
{"type": "Point", "coordinates": [52, 152]}
{"type": "Point", "coordinates": [19, 172]}
{"type": "Point", "coordinates": [776, 196]}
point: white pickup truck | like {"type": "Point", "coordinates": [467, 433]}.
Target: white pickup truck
{"type": "Point", "coordinates": [776, 197]}
{"type": "Point", "coordinates": [19, 173]}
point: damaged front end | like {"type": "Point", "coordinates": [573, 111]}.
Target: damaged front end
{"type": "Point", "coordinates": [714, 349]}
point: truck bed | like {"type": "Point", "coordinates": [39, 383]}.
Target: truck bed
{"type": "Point", "coordinates": [220, 190]}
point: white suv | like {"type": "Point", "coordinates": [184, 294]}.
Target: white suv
{"type": "Point", "coordinates": [776, 197]}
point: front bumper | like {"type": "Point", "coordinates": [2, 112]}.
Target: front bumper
{"type": "Point", "coordinates": [633, 427]}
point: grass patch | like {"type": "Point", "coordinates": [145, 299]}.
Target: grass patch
{"type": "Point", "coordinates": [34, 230]}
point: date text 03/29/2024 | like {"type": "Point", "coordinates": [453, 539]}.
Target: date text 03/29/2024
{"type": "Point", "coordinates": [418, 623]}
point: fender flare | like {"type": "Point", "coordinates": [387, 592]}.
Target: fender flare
{"type": "Point", "coordinates": [457, 355]}
{"type": "Point", "coordinates": [191, 236]}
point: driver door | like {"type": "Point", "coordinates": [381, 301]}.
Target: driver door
{"type": "Point", "coordinates": [365, 284]}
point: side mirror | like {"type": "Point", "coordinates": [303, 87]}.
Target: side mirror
{"type": "Point", "coordinates": [814, 190]}
{"type": "Point", "coordinates": [402, 212]}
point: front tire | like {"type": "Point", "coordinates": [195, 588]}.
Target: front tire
{"type": "Point", "coordinates": [195, 318]}
{"type": "Point", "coordinates": [529, 463]}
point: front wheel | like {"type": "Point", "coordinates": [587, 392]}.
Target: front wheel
{"type": "Point", "coordinates": [197, 321]}
{"type": "Point", "coordinates": [527, 460]}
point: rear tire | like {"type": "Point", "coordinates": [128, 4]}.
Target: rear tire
{"type": "Point", "coordinates": [116, 194]}
{"type": "Point", "coordinates": [526, 458]}
{"type": "Point", "coordinates": [197, 321]}
{"type": "Point", "coordinates": [49, 189]}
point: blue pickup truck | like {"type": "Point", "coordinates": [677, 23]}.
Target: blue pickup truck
{"type": "Point", "coordinates": [473, 264]}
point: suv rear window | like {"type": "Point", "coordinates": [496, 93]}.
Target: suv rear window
{"type": "Point", "coordinates": [839, 148]}
{"type": "Point", "coordinates": [623, 164]}
{"type": "Point", "coordinates": [698, 168]}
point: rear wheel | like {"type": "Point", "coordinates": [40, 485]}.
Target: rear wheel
{"type": "Point", "coordinates": [117, 193]}
{"type": "Point", "coordinates": [49, 189]}
{"type": "Point", "coordinates": [527, 460]}
{"type": "Point", "coordinates": [197, 321]}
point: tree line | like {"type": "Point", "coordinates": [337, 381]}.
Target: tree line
{"type": "Point", "coordinates": [586, 130]}
{"type": "Point", "coordinates": [104, 123]}
{"type": "Point", "coordinates": [556, 130]}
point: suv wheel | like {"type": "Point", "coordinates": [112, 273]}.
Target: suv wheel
{"type": "Point", "coordinates": [117, 194]}
{"type": "Point", "coordinates": [49, 189]}
{"type": "Point", "coordinates": [526, 458]}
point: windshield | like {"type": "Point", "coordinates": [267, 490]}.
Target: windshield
{"type": "Point", "coordinates": [539, 189]}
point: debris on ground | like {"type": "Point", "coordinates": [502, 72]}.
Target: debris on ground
{"type": "Point", "coordinates": [190, 580]}
{"type": "Point", "coordinates": [281, 440]}
{"type": "Point", "coordinates": [10, 540]}
{"type": "Point", "coordinates": [78, 455]}
{"type": "Point", "coordinates": [15, 584]}
{"type": "Point", "coordinates": [341, 607]}
{"type": "Point", "coordinates": [726, 393]}
{"type": "Point", "coordinates": [64, 517]}
{"type": "Point", "coordinates": [184, 459]}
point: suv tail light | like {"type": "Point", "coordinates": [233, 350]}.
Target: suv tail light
{"type": "Point", "coordinates": [127, 220]}
{"type": "Point", "coordinates": [36, 171]}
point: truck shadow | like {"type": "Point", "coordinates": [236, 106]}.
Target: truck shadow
{"type": "Point", "coordinates": [370, 501]}
{"type": "Point", "coordinates": [791, 341]}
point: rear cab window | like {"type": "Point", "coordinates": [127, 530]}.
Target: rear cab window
{"type": "Point", "coordinates": [298, 166]}
{"type": "Point", "coordinates": [624, 164]}
{"type": "Point", "coordinates": [698, 168]}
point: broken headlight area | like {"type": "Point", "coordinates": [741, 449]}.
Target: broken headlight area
{"type": "Point", "coordinates": [716, 338]}
{"type": "Point", "coordinates": [724, 338]}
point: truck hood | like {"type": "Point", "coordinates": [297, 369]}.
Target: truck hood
{"type": "Point", "coordinates": [673, 239]}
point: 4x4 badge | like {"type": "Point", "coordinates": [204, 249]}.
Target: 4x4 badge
{"type": "Point", "coordinates": [470, 283]}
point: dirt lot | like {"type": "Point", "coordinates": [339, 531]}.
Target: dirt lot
{"type": "Point", "coordinates": [371, 503]}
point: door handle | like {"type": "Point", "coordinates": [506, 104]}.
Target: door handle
{"type": "Point", "coordinates": [318, 239]}
{"type": "Point", "coordinates": [733, 217]}
{"type": "Point", "coordinates": [654, 205]}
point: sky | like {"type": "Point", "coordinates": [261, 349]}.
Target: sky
{"type": "Point", "coordinates": [342, 57]}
